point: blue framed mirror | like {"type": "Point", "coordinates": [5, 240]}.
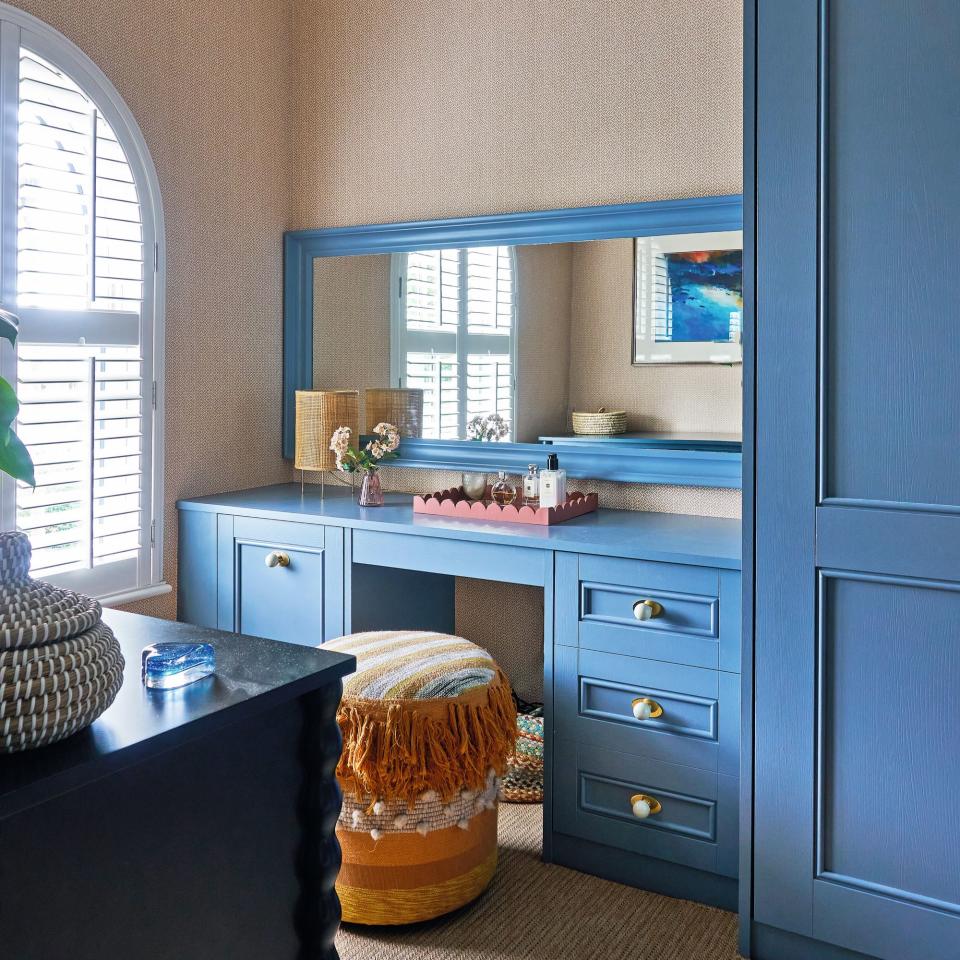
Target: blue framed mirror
{"type": "Point", "coordinates": [526, 317]}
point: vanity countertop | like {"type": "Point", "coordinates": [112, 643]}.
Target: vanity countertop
{"type": "Point", "coordinates": [664, 537]}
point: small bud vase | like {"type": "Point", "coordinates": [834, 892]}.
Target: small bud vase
{"type": "Point", "coordinates": [371, 493]}
{"type": "Point", "coordinates": [474, 485]}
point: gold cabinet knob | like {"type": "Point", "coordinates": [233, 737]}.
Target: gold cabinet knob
{"type": "Point", "coordinates": [646, 709]}
{"type": "Point", "coordinates": [277, 558]}
{"type": "Point", "coordinates": [647, 609]}
{"type": "Point", "coordinates": [644, 806]}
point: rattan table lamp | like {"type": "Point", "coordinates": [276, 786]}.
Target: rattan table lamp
{"type": "Point", "coordinates": [319, 413]}
{"type": "Point", "coordinates": [403, 408]}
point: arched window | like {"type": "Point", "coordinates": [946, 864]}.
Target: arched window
{"type": "Point", "coordinates": [454, 324]}
{"type": "Point", "coordinates": [81, 264]}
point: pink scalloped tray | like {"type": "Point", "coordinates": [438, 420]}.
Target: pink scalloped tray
{"type": "Point", "coordinates": [455, 503]}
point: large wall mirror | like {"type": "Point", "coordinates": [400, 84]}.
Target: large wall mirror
{"type": "Point", "coordinates": [532, 317]}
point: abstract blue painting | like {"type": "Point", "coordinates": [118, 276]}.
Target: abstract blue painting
{"type": "Point", "coordinates": [704, 296]}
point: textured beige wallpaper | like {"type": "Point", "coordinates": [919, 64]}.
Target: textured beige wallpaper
{"type": "Point", "coordinates": [543, 348]}
{"type": "Point", "coordinates": [351, 317]}
{"type": "Point", "coordinates": [433, 108]}
{"type": "Point", "coordinates": [696, 398]}
{"type": "Point", "coordinates": [211, 85]}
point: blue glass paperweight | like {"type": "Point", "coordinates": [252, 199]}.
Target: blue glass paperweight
{"type": "Point", "coordinates": [165, 666]}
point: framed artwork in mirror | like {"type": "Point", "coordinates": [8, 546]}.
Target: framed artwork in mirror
{"type": "Point", "coordinates": [688, 298]}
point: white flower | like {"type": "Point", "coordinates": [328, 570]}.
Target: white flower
{"type": "Point", "coordinates": [340, 444]}
{"type": "Point", "coordinates": [491, 427]}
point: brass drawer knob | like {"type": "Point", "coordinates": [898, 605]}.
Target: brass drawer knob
{"type": "Point", "coordinates": [647, 609]}
{"type": "Point", "coordinates": [646, 709]}
{"type": "Point", "coordinates": [277, 558]}
{"type": "Point", "coordinates": [644, 806]}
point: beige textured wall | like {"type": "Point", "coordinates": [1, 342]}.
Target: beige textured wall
{"type": "Point", "coordinates": [211, 86]}
{"type": "Point", "coordinates": [693, 398]}
{"type": "Point", "coordinates": [433, 108]}
{"type": "Point", "coordinates": [543, 347]}
{"type": "Point", "coordinates": [351, 318]}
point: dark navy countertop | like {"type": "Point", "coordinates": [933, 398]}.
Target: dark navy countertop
{"type": "Point", "coordinates": [252, 675]}
{"type": "Point", "coordinates": [665, 537]}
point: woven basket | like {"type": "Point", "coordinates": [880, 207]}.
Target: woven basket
{"type": "Point", "coordinates": [523, 780]}
{"type": "Point", "coordinates": [402, 408]}
{"type": "Point", "coordinates": [60, 666]}
{"type": "Point", "coordinates": [603, 423]}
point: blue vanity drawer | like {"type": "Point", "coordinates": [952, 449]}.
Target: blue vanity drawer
{"type": "Point", "coordinates": [697, 825]}
{"type": "Point", "coordinates": [699, 725]}
{"type": "Point", "coordinates": [698, 622]}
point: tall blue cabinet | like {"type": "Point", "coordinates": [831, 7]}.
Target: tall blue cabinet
{"type": "Point", "coordinates": [853, 219]}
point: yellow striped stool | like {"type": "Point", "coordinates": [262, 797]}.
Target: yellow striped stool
{"type": "Point", "coordinates": [428, 723]}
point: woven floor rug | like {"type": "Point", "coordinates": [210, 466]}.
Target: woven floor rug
{"type": "Point", "coordinates": [534, 911]}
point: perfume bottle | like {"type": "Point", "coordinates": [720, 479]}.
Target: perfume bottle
{"type": "Point", "coordinates": [502, 491]}
{"type": "Point", "coordinates": [531, 487]}
{"type": "Point", "coordinates": [553, 483]}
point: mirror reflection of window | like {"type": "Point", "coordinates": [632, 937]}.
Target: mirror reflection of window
{"type": "Point", "coordinates": [454, 328]}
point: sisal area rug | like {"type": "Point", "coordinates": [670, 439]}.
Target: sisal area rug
{"type": "Point", "coordinates": [534, 911]}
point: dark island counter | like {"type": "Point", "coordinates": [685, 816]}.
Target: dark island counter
{"type": "Point", "coordinates": [191, 823]}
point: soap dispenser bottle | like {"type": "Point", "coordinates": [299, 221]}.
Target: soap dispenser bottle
{"type": "Point", "coordinates": [553, 483]}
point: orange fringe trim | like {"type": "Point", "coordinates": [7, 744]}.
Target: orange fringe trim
{"type": "Point", "coordinates": [397, 750]}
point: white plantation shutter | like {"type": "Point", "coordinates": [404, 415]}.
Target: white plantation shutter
{"type": "Point", "coordinates": [82, 278]}
{"type": "Point", "coordinates": [454, 334]}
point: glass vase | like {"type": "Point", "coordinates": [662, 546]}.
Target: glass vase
{"type": "Point", "coordinates": [371, 493]}
{"type": "Point", "coordinates": [474, 485]}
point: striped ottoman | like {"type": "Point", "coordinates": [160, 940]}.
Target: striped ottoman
{"type": "Point", "coordinates": [428, 722]}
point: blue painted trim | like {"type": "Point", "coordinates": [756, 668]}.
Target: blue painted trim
{"type": "Point", "coordinates": [680, 467]}
{"type": "Point", "coordinates": [301, 247]}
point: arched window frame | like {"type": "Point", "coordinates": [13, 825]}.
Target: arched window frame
{"type": "Point", "coordinates": [19, 29]}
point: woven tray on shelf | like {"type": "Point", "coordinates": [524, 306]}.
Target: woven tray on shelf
{"type": "Point", "coordinates": [60, 666]}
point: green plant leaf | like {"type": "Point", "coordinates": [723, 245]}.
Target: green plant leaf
{"type": "Point", "coordinates": [9, 326]}
{"type": "Point", "coordinates": [15, 460]}
{"type": "Point", "coordinates": [8, 406]}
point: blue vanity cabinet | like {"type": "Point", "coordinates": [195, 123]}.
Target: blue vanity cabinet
{"type": "Point", "coordinates": [347, 568]}
{"type": "Point", "coordinates": [266, 578]}
{"type": "Point", "coordinates": [856, 634]}
{"type": "Point", "coordinates": [634, 633]}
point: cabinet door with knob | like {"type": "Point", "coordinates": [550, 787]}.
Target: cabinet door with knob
{"type": "Point", "coordinates": [279, 579]}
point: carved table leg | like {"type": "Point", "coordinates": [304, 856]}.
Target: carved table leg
{"type": "Point", "coordinates": [318, 909]}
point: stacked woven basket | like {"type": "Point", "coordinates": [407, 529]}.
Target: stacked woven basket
{"type": "Point", "coordinates": [60, 666]}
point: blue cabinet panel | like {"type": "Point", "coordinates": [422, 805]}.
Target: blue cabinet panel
{"type": "Point", "coordinates": [869, 756]}
{"type": "Point", "coordinates": [197, 569]}
{"type": "Point", "coordinates": [891, 260]}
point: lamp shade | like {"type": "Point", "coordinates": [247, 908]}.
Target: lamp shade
{"type": "Point", "coordinates": [319, 413]}
{"type": "Point", "coordinates": [402, 408]}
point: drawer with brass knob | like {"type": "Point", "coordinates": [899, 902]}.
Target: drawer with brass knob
{"type": "Point", "coordinates": [666, 711]}
{"type": "Point", "coordinates": [660, 611]}
{"type": "Point", "coordinates": [681, 814]}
